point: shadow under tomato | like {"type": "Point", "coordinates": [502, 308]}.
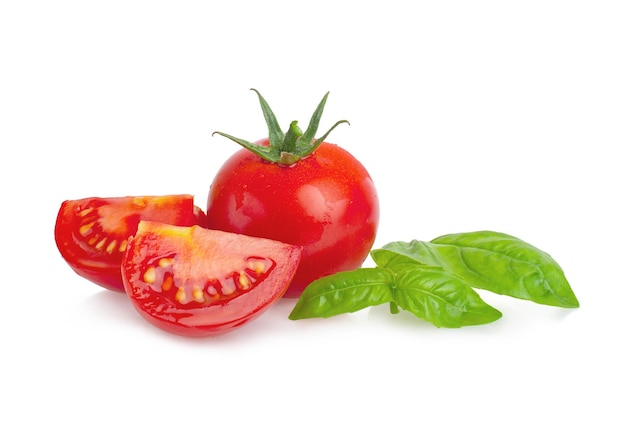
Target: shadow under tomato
{"type": "Point", "coordinates": [116, 309]}
{"type": "Point", "coordinates": [111, 307]}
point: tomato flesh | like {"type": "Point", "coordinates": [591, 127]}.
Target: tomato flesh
{"type": "Point", "coordinates": [326, 202]}
{"type": "Point", "coordinates": [92, 233]}
{"type": "Point", "coordinates": [197, 282]}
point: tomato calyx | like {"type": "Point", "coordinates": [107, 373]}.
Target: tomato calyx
{"type": "Point", "coordinates": [286, 148]}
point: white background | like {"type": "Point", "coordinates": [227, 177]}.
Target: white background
{"type": "Point", "coordinates": [469, 115]}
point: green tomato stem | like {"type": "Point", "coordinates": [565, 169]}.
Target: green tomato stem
{"type": "Point", "coordinates": [289, 142]}
{"type": "Point", "coordinates": [286, 148]}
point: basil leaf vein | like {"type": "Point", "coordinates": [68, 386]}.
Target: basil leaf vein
{"type": "Point", "coordinates": [441, 298]}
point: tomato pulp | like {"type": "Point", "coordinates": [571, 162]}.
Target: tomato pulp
{"type": "Point", "coordinates": [92, 233]}
{"type": "Point", "coordinates": [326, 203]}
{"type": "Point", "coordinates": [198, 282]}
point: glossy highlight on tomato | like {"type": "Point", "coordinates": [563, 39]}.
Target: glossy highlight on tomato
{"type": "Point", "coordinates": [326, 202]}
{"type": "Point", "coordinates": [197, 282]}
{"type": "Point", "coordinates": [92, 233]}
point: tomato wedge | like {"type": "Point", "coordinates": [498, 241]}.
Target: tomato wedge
{"type": "Point", "coordinates": [92, 233]}
{"type": "Point", "coordinates": [197, 282]}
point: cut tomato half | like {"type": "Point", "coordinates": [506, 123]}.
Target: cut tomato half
{"type": "Point", "coordinates": [92, 233]}
{"type": "Point", "coordinates": [197, 282]}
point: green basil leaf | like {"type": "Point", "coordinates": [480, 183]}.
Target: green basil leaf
{"type": "Point", "coordinates": [496, 262]}
{"type": "Point", "coordinates": [424, 253]}
{"type": "Point", "coordinates": [441, 298]}
{"type": "Point", "coordinates": [393, 260]}
{"type": "Point", "coordinates": [344, 292]}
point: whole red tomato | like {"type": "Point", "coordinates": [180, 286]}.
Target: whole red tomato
{"type": "Point", "coordinates": [302, 192]}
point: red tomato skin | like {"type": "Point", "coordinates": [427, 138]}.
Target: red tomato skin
{"type": "Point", "coordinates": [197, 251]}
{"type": "Point", "coordinates": [326, 203]}
{"type": "Point", "coordinates": [97, 265]}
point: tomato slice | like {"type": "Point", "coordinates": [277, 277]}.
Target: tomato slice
{"type": "Point", "coordinates": [197, 282]}
{"type": "Point", "coordinates": [92, 233]}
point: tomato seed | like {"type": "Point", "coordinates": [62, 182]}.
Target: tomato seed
{"type": "Point", "coordinates": [85, 212]}
{"type": "Point", "coordinates": [181, 295]}
{"type": "Point", "coordinates": [111, 247]}
{"type": "Point", "coordinates": [86, 229]}
{"type": "Point", "coordinates": [258, 267]}
{"type": "Point", "coordinates": [168, 281]}
{"type": "Point", "coordinates": [244, 281]}
{"type": "Point", "coordinates": [198, 295]}
{"type": "Point", "coordinates": [149, 275]}
{"type": "Point", "coordinates": [100, 244]}
{"type": "Point", "coordinates": [166, 262]}
{"type": "Point", "coordinates": [228, 287]}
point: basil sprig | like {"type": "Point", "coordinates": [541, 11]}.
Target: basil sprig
{"type": "Point", "coordinates": [435, 280]}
